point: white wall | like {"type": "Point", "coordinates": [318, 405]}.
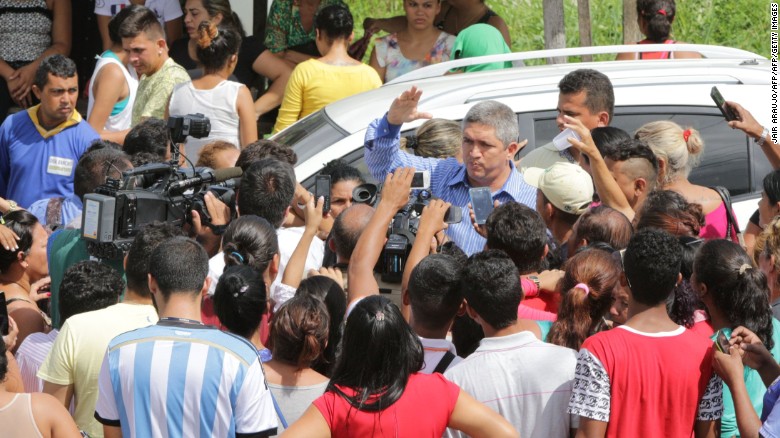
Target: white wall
{"type": "Point", "coordinates": [245, 11]}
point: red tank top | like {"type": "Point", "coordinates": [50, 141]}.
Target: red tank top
{"type": "Point", "coordinates": [655, 55]}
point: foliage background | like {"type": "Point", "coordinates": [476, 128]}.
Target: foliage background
{"type": "Point", "coordinates": [742, 24]}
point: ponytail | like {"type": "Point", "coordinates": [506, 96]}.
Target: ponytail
{"type": "Point", "coordinates": [240, 300]}
{"type": "Point", "coordinates": [571, 330]}
{"type": "Point", "coordinates": [590, 278]}
{"type": "Point", "coordinates": [207, 32]}
{"type": "Point", "coordinates": [216, 45]}
{"type": "Point", "coordinates": [751, 306]}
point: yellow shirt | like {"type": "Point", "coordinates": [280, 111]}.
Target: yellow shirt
{"type": "Point", "coordinates": [314, 84]}
{"type": "Point", "coordinates": [78, 352]}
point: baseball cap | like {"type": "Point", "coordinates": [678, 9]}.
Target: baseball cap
{"type": "Point", "coordinates": [567, 186]}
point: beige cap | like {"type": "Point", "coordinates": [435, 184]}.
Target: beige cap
{"type": "Point", "coordinates": [567, 186]}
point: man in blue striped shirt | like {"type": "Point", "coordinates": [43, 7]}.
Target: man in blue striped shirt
{"type": "Point", "coordinates": [490, 135]}
{"type": "Point", "coordinates": [180, 378]}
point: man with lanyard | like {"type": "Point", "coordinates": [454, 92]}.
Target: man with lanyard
{"type": "Point", "coordinates": [490, 134]}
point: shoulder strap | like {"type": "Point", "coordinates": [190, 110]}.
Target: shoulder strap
{"type": "Point", "coordinates": [444, 362]}
{"type": "Point", "coordinates": [278, 410]}
{"type": "Point", "coordinates": [731, 223]}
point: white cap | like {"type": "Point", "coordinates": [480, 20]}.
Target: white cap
{"type": "Point", "coordinates": [567, 186]}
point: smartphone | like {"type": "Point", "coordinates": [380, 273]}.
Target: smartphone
{"type": "Point", "coordinates": [3, 315]}
{"type": "Point", "coordinates": [421, 179]}
{"type": "Point", "coordinates": [720, 102]}
{"type": "Point", "coordinates": [453, 215]}
{"type": "Point", "coordinates": [322, 188]}
{"type": "Point", "coordinates": [482, 203]}
{"type": "Point", "coordinates": [722, 342]}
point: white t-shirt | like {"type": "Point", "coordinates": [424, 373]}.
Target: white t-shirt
{"type": "Point", "coordinates": [527, 381]}
{"type": "Point", "coordinates": [434, 350]}
{"type": "Point", "coordinates": [166, 10]}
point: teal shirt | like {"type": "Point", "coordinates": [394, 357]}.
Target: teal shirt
{"type": "Point", "coordinates": [753, 383]}
{"type": "Point", "coordinates": [544, 328]}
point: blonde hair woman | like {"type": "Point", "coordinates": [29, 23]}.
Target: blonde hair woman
{"type": "Point", "coordinates": [436, 138]}
{"type": "Point", "coordinates": [679, 151]}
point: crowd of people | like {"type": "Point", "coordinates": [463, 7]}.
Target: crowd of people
{"type": "Point", "coordinates": [605, 294]}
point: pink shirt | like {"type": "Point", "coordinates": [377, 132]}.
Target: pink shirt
{"type": "Point", "coordinates": [716, 223]}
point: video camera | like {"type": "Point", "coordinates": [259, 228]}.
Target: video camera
{"type": "Point", "coordinates": [114, 214]}
{"type": "Point", "coordinates": [401, 232]}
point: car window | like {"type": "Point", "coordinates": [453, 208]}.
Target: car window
{"type": "Point", "coordinates": [310, 135]}
{"type": "Point", "coordinates": [724, 161]}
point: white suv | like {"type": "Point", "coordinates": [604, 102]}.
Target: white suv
{"type": "Point", "coordinates": [677, 90]}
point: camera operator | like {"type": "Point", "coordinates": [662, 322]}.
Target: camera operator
{"type": "Point", "coordinates": [395, 196]}
{"type": "Point", "coordinates": [490, 135]}
{"type": "Point", "coordinates": [66, 247]}
{"type": "Point", "coordinates": [267, 189]}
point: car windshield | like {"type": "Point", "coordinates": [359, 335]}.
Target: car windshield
{"type": "Point", "coordinates": [310, 135]}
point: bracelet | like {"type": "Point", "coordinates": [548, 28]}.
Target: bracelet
{"type": "Point", "coordinates": [761, 141]}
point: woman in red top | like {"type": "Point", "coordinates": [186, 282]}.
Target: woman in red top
{"type": "Point", "coordinates": [376, 390]}
{"type": "Point", "coordinates": [655, 18]}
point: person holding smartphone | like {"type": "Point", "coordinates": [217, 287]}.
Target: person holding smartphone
{"type": "Point", "coordinates": [762, 137]}
{"type": "Point", "coordinates": [490, 141]}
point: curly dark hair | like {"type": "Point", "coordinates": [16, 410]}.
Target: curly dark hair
{"type": "Point", "coordinates": [89, 285]}
{"type": "Point", "coordinates": [652, 265]}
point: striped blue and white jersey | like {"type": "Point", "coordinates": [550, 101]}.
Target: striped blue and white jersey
{"type": "Point", "coordinates": [178, 379]}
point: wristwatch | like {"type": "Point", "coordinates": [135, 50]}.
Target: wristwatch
{"type": "Point", "coordinates": [762, 139]}
{"type": "Point", "coordinates": [12, 205]}
{"type": "Point", "coordinates": [536, 281]}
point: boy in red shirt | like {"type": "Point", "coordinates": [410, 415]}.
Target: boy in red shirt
{"type": "Point", "coordinates": [650, 376]}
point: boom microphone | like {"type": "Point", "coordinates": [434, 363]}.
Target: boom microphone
{"type": "Point", "coordinates": [206, 177]}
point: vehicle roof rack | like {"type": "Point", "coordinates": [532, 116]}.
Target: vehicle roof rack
{"type": "Point", "coordinates": [708, 51]}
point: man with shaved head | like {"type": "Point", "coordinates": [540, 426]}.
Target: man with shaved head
{"type": "Point", "coordinates": [635, 168]}
{"type": "Point", "coordinates": [347, 229]}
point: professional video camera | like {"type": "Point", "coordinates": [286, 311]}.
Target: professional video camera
{"type": "Point", "coordinates": [401, 232]}
{"type": "Point", "coordinates": [114, 214]}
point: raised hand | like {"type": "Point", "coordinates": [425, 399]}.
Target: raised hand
{"type": "Point", "coordinates": [404, 108]}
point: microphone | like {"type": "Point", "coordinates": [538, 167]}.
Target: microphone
{"type": "Point", "coordinates": [206, 177]}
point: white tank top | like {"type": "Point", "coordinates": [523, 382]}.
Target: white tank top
{"type": "Point", "coordinates": [120, 121]}
{"type": "Point", "coordinates": [218, 104]}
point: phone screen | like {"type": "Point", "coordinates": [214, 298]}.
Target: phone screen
{"type": "Point", "coordinates": [722, 342]}
{"type": "Point", "coordinates": [420, 180]}
{"type": "Point", "coordinates": [482, 203]}
{"type": "Point", "coordinates": [721, 104]}
{"type": "Point", "coordinates": [3, 315]}
{"type": "Point", "coordinates": [322, 188]}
